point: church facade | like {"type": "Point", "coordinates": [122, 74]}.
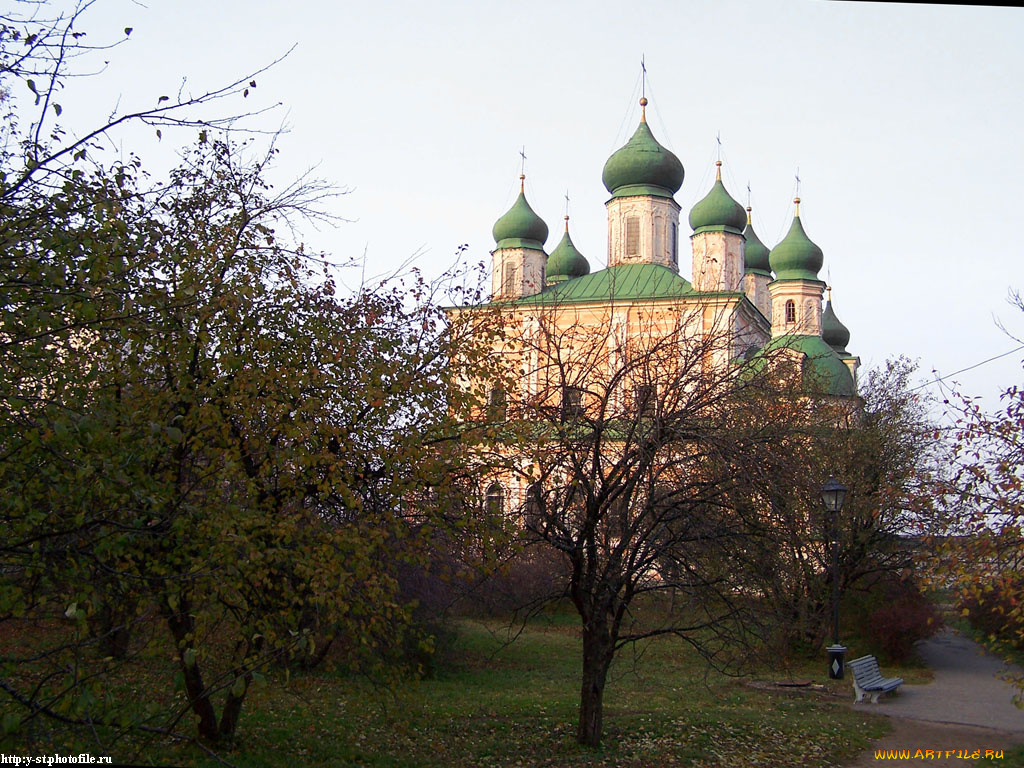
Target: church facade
{"type": "Point", "coordinates": [752, 299]}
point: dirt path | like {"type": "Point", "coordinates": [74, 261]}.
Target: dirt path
{"type": "Point", "coordinates": [947, 744]}
{"type": "Point", "coordinates": [966, 708]}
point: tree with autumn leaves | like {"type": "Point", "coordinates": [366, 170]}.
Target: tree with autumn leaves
{"type": "Point", "coordinates": [203, 443]}
{"type": "Point", "coordinates": [978, 546]}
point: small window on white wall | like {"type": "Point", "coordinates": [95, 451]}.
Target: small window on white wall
{"type": "Point", "coordinates": [790, 312]}
{"type": "Point", "coordinates": [508, 281]}
{"type": "Point", "coordinates": [673, 243]}
{"type": "Point", "coordinates": [632, 235]}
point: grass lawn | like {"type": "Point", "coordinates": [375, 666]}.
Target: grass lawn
{"type": "Point", "coordinates": [514, 704]}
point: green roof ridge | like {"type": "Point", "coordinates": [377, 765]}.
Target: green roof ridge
{"type": "Point", "coordinates": [625, 282]}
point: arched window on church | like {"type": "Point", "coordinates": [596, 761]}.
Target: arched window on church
{"type": "Point", "coordinates": [632, 235]}
{"type": "Point", "coordinates": [495, 499]}
{"type": "Point", "coordinates": [534, 512]}
{"type": "Point", "coordinates": [790, 312]}
{"type": "Point", "coordinates": [572, 403]}
{"type": "Point", "coordinates": [496, 404]}
{"type": "Point", "coordinates": [508, 280]}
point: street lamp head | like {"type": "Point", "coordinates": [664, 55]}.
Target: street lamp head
{"type": "Point", "coordinates": [833, 493]}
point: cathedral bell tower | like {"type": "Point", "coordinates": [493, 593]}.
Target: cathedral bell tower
{"type": "Point", "coordinates": [796, 291]}
{"type": "Point", "coordinates": [643, 217]}
{"type": "Point", "coordinates": [757, 270]}
{"type": "Point", "coordinates": [717, 241]}
{"type": "Point", "coordinates": [518, 263]}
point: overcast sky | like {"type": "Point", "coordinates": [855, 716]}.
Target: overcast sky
{"type": "Point", "coordinates": [903, 119]}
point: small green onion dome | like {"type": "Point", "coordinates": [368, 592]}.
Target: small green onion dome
{"type": "Point", "coordinates": [642, 166]}
{"type": "Point", "coordinates": [796, 257]}
{"type": "Point", "coordinates": [835, 334]}
{"type": "Point", "coordinates": [755, 254]}
{"type": "Point", "coordinates": [717, 211]}
{"type": "Point", "coordinates": [520, 227]}
{"type": "Point", "coordinates": [565, 262]}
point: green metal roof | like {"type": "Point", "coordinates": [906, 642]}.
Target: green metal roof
{"type": "Point", "coordinates": [622, 283]}
{"type": "Point", "coordinates": [824, 370]}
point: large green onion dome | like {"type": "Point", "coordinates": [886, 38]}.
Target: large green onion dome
{"type": "Point", "coordinates": [520, 227]}
{"type": "Point", "coordinates": [642, 166]}
{"type": "Point", "coordinates": [796, 257]}
{"type": "Point", "coordinates": [835, 334]}
{"type": "Point", "coordinates": [717, 211]}
{"type": "Point", "coordinates": [565, 262]}
{"type": "Point", "coordinates": [755, 255]}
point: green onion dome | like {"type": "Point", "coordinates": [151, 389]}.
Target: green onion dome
{"type": "Point", "coordinates": [717, 211]}
{"type": "Point", "coordinates": [755, 255]}
{"type": "Point", "coordinates": [642, 166]}
{"type": "Point", "coordinates": [796, 257]}
{"type": "Point", "coordinates": [835, 334]}
{"type": "Point", "coordinates": [520, 227]}
{"type": "Point", "coordinates": [565, 262]}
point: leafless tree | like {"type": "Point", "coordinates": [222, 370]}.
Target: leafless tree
{"type": "Point", "coordinates": [642, 448]}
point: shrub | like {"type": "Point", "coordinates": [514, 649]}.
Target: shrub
{"type": "Point", "coordinates": [995, 609]}
{"type": "Point", "coordinates": [892, 615]}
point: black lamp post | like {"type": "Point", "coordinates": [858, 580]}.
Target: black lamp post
{"type": "Point", "coordinates": [833, 494]}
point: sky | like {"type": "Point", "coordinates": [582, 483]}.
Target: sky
{"type": "Point", "coordinates": [902, 120]}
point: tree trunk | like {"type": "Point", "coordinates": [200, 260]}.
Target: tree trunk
{"type": "Point", "coordinates": [597, 656]}
{"type": "Point", "coordinates": [181, 626]}
{"type": "Point", "coordinates": [110, 625]}
{"type": "Point", "coordinates": [233, 709]}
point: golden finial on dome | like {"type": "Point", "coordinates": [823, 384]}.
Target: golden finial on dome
{"type": "Point", "coordinates": [749, 209]}
{"type": "Point", "coordinates": [643, 109]}
{"type": "Point", "coordinates": [828, 288]}
{"type": "Point", "coordinates": [796, 202]}
{"type": "Point", "coordinates": [718, 170]}
{"type": "Point", "coordinates": [566, 222]}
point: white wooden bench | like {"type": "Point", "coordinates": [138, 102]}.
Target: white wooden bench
{"type": "Point", "coordinates": [868, 680]}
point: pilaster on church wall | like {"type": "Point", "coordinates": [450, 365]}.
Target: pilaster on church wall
{"type": "Point", "coordinates": [530, 265]}
{"type": "Point", "coordinates": [656, 217]}
{"type": "Point", "coordinates": [756, 288]}
{"type": "Point", "coordinates": [717, 261]}
{"type": "Point", "coordinates": [853, 363]}
{"type": "Point", "coordinates": [534, 264]}
{"type": "Point", "coordinates": [806, 298]}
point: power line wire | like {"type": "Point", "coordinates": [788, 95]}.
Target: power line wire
{"type": "Point", "coordinates": [968, 368]}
